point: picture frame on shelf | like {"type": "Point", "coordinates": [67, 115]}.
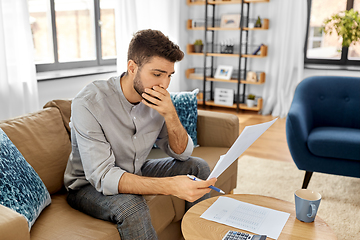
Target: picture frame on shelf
{"type": "Point", "coordinates": [230, 21]}
{"type": "Point", "coordinates": [223, 72]}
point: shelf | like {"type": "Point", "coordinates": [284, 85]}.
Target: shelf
{"type": "Point", "coordinates": [260, 81]}
{"type": "Point", "coordinates": [219, 2]}
{"type": "Point", "coordinates": [258, 107]}
{"type": "Point", "coordinates": [190, 50]}
{"type": "Point", "coordinates": [265, 26]}
{"type": "Point", "coordinates": [190, 27]}
{"type": "Point", "coordinates": [190, 74]}
{"type": "Point", "coordinates": [222, 55]}
{"type": "Point", "coordinates": [242, 106]}
{"type": "Point", "coordinates": [211, 103]}
{"type": "Point", "coordinates": [189, 2]}
{"type": "Point", "coordinates": [263, 53]}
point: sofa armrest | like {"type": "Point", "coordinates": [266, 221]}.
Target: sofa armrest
{"type": "Point", "coordinates": [12, 225]}
{"type": "Point", "coordinates": [217, 129]}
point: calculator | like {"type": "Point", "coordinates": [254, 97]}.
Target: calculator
{"type": "Point", "coordinates": [233, 235]}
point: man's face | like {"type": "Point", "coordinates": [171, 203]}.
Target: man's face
{"type": "Point", "coordinates": [157, 72]}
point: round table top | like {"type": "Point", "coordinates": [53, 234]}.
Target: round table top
{"type": "Point", "coordinates": [194, 227]}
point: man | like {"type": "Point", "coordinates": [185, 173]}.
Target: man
{"type": "Point", "coordinates": [114, 125]}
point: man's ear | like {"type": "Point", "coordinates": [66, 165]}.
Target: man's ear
{"type": "Point", "coordinates": [132, 67]}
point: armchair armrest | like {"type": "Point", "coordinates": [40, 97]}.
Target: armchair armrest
{"type": "Point", "coordinates": [217, 129]}
{"type": "Point", "coordinates": [12, 225]}
{"type": "Point", "coordinates": [299, 121]}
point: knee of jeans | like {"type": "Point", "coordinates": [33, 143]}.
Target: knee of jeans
{"type": "Point", "coordinates": [203, 169]}
{"type": "Point", "coordinates": [135, 209]}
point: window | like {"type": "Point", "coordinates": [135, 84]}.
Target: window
{"type": "Point", "coordinates": [321, 48]}
{"type": "Point", "coordinates": [72, 33]}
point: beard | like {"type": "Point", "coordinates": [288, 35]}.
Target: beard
{"type": "Point", "coordinates": [138, 86]}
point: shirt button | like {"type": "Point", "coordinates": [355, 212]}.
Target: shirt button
{"type": "Point", "coordinates": [137, 159]}
{"type": "Point", "coordinates": [134, 137]}
{"type": "Point", "coordinates": [134, 117]}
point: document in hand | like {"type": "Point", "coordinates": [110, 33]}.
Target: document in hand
{"type": "Point", "coordinates": [247, 137]}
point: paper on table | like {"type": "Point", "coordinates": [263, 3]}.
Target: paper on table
{"type": "Point", "coordinates": [247, 137]}
{"type": "Point", "coordinates": [248, 217]}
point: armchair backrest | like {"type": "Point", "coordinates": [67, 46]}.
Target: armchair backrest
{"type": "Point", "coordinates": [332, 100]}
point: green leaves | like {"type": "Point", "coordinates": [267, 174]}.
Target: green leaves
{"type": "Point", "coordinates": [346, 24]}
{"type": "Point", "coordinates": [198, 42]}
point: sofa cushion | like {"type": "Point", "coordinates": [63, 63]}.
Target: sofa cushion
{"type": "Point", "coordinates": [335, 142]}
{"type": "Point", "coordinates": [60, 221]}
{"type": "Point", "coordinates": [186, 107]}
{"type": "Point", "coordinates": [64, 107]}
{"type": "Point", "coordinates": [44, 142]}
{"type": "Point", "coordinates": [20, 186]}
{"type": "Point", "coordinates": [161, 210]}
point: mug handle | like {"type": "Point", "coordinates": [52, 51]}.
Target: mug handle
{"type": "Point", "coordinates": [313, 211]}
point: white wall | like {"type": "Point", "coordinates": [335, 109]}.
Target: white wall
{"type": "Point", "coordinates": [67, 87]}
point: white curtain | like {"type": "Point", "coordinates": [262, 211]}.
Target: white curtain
{"type": "Point", "coordinates": [135, 15]}
{"type": "Point", "coordinates": [18, 85]}
{"type": "Point", "coordinates": [286, 51]}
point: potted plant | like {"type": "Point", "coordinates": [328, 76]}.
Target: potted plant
{"type": "Point", "coordinates": [258, 22]}
{"type": "Point", "coordinates": [198, 46]}
{"type": "Point", "coordinates": [250, 100]}
{"type": "Point", "coordinates": [346, 25]}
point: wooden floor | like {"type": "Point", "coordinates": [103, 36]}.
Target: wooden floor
{"type": "Point", "coordinates": [272, 144]}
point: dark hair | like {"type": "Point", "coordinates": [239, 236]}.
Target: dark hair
{"type": "Point", "coordinates": [152, 43]}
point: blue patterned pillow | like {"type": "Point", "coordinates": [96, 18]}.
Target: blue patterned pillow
{"type": "Point", "coordinates": [186, 107]}
{"type": "Point", "coordinates": [21, 188]}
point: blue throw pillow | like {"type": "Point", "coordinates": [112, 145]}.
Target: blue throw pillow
{"type": "Point", "coordinates": [186, 107]}
{"type": "Point", "coordinates": [21, 188]}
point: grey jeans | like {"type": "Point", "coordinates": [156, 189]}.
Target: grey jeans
{"type": "Point", "coordinates": [130, 212]}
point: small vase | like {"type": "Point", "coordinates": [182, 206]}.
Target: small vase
{"type": "Point", "coordinates": [250, 103]}
{"type": "Point", "coordinates": [198, 48]}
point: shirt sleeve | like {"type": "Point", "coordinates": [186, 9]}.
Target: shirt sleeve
{"type": "Point", "coordinates": [163, 143]}
{"type": "Point", "coordinates": [96, 155]}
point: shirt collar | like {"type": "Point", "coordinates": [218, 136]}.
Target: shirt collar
{"type": "Point", "coordinates": [123, 99]}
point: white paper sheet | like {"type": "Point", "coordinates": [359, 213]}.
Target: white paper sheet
{"type": "Point", "coordinates": [248, 217]}
{"type": "Point", "coordinates": [247, 137]}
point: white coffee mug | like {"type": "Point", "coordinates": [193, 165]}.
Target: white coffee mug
{"type": "Point", "coordinates": [306, 204]}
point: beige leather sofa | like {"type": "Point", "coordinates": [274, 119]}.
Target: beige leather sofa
{"type": "Point", "coordinates": [43, 139]}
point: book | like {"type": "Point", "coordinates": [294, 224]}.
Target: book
{"type": "Point", "coordinates": [257, 50]}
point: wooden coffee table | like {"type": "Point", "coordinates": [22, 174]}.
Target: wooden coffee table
{"type": "Point", "coordinates": [196, 228]}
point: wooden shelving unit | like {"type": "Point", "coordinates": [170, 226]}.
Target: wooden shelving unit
{"type": "Point", "coordinates": [242, 56]}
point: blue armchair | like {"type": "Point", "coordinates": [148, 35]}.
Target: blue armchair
{"type": "Point", "coordinates": [323, 126]}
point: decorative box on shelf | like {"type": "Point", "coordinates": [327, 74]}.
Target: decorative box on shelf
{"type": "Point", "coordinates": [224, 96]}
